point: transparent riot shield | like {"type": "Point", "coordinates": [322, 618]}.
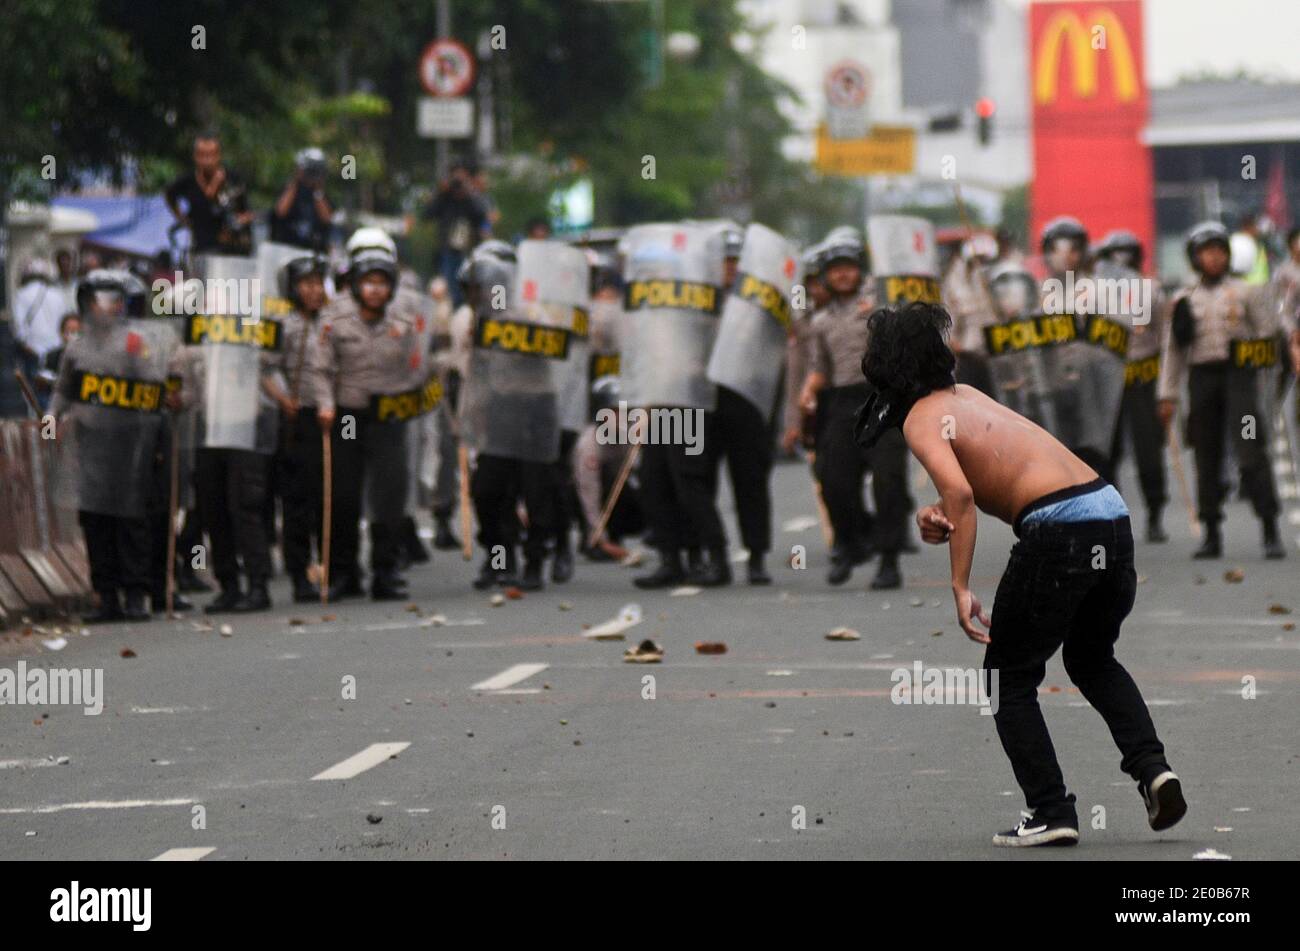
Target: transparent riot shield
{"type": "Point", "coordinates": [509, 404]}
{"type": "Point", "coordinates": [672, 301]}
{"type": "Point", "coordinates": [749, 352]}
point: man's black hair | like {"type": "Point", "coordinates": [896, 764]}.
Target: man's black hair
{"type": "Point", "coordinates": [907, 351]}
{"type": "Point", "coordinates": [207, 135]}
{"type": "Point", "coordinates": [907, 358]}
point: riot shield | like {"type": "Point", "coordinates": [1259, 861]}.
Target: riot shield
{"type": "Point", "coordinates": [1045, 370]}
{"type": "Point", "coordinates": [509, 404]}
{"type": "Point", "coordinates": [116, 379]}
{"type": "Point", "coordinates": [904, 259]}
{"type": "Point", "coordinates": [672, 299]}
{"type": "Point", "coordinates": [749, 352]}
{"type": "Point", "coordinates": [552, 288]}
{"type": "Point", "coordinates": [227, 339]}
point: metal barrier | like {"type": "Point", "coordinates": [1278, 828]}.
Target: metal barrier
{"type": "Point", "coordinates": [43, 566]}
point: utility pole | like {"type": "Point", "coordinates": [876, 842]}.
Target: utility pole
{"type": "Point", "coordinates": [442, 147]}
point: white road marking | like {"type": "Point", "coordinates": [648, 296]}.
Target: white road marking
{"type": "Point", "coordinates": [192, 854]}
{"type": "Point", "coordinates": [685, 591]}
{"type": "Point", "coordinates": [97, 804]}
{"type": "Point", "coordinates": [370, 757]}
{"type": "Point", "coordinates": [510, 676]}
{"type": "Point", "coordinates": [799, 524]}
{"type": "Point", "coordinates": [25, 763]}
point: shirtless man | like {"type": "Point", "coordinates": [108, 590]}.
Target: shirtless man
{"type": "Point", "coordinates": [1070, 580]}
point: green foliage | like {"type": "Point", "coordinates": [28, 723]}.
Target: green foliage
{"type": "Point", "coordinates": [117, 86]}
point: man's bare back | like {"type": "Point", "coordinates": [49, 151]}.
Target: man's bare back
{"type": "Point", "coordinates": [1008, 460]}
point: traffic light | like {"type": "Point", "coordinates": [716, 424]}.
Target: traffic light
{"type": "Point", "coordinates": [984, 110]}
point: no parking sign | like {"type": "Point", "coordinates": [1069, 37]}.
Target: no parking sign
{"type": "Point", "coordinates": [446, 68]}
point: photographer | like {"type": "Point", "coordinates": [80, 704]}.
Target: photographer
{"type": "Point", "coordinates": [215, 203]}
{"type": "Point", "coordinates": [302, 213]}
{"type": "Point", "coordinates": [462, 221]}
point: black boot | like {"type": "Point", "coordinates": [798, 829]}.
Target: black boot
{"type": "Point", "coordinates": [346, 585]}
{"type": "Point", "coordinates": [532, 579]}
{"type": "Point", "coordinates": [108, 612]}
{"type": "Point", "coordinates": [1211, 544]}
{"type": "Point", "coordinates": [842, 562]}
{"type": "Point", "coordinates": [669, 574]}
{"type": "Point", "coordinates": [411, 543]}
{"type": "Point", "coordinates": [716, 571]}
{"type": "Point", "coordinates": [304, 592]}
{"type": "Point", "coordinates": [1273, 548]}
{"type": "Point", "coordinates": [1156, 533]}
{"type": "Point", "coordinates": [134, 610]}
{"type": "Point", "coordinates": [257, 599]}
{"type": "Point", "coordinates": [225, 602]}
{"type": "Point", "coordinates": [887, 576]}
{"type": "Point", "coordinates": [158, 601]}
{"type": "Point", "coordinates": [694, 560]}
{"type": "Point", "coordinates": [757, 572]}
{"type": "Point", "coordinates": [487, 575]}
{"type": "Point", "coordinates": [562, 566]}
{"type": "Point", "coordinates": [444, 539]}
{"type": "Point", "coordinates": [388, 586]}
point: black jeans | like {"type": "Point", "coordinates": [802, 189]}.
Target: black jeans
{"type": "Point", "coordinates": [1071, 584]}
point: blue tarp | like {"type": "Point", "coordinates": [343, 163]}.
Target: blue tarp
{"type": "Point", "coordinates": [133, 224]}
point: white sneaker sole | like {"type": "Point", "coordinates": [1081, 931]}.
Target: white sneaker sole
{"type": "Point", "coordinates": [1166, 807]}
{"type": "Point", "coordinates": [1062, 836]}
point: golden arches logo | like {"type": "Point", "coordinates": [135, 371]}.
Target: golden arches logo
{"type": "Point", "coordinates": [1065, 28]}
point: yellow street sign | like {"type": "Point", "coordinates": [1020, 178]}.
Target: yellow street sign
{"type": "Point", "coordinates": [887, 150]}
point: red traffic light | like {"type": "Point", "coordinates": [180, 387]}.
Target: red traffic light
{"type": "Point", "coordinates": [985, 107]}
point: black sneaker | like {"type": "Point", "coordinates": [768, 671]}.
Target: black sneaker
{"type": "Point", "coordinates": [1035, 831]}
{"type": "Point", "coordinates": [887, 576]}
{"type": "Point", "coordinates": [1163, 796]}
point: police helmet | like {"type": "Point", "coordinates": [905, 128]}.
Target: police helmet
{"type": "Point", "coordinates": [1066, 227]}
{"type": "Point", "coordinates": [1206, 233]}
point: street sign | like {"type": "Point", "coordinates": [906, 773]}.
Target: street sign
{"type": "Point", "coordinates": [887, 150]}
{"type": "Point", "coordinates": [446, 68]}
{"type": "Point", "coordinates": [444, 118]}
{"type": "Point", "coordinates": [848, 86]}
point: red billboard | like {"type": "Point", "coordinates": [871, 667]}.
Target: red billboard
{"type": "Point", "coordinates": [1090, 106]}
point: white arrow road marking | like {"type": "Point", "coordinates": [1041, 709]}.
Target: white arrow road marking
{"type": "Point", "coordinates": [185, 855]}
{"type": "Point", "coordinates": [510, 676]}
{"type": "Point", "coordinates": [370, 757]}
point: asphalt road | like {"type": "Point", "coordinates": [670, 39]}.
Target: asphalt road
{"type": "Point", "coordinates": [569, 759]}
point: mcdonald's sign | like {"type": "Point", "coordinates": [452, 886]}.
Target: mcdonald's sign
{"type": "Point", "coordinates": [1091, 41]}
{"type": "Point", "coordinates": [1090, 106]}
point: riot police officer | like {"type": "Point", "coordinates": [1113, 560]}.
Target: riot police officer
{"type": "Point", "coordinates": [298, 459]}
{"type": "Point", "coordinates": [108, 399]}
{"type": "Point", "coordinates": [1219, 335]}
{"type": "Point", "coordinates": [1119, 255]}
{"type": "Point", "coordinates": [366, 350]}
{"type": "Point", "coordinates": [835, 388]}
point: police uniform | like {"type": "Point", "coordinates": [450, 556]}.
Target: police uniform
{"type": "Point", "coordinates": [1139, 420]}
{"type": "Point", "coordinates": [360, 362]}
{"type": "Point", "coordinates": [966, 297]}
{"type": "Point", "coordinates": [839, 341]}
{"type": "Point", "coordinates": [1223, 313]}
{"type": "Point", "coordinates": [299, 482]}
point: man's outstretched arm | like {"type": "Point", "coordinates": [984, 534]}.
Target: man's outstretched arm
{"type": "Point", "coordinates": [955, 514]}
